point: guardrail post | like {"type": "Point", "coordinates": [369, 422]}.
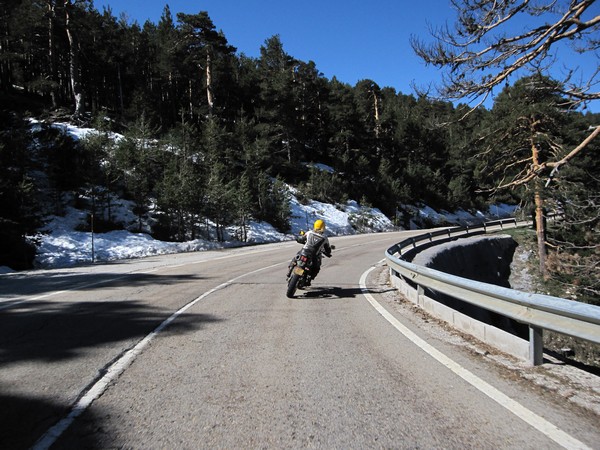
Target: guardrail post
{"type": "Point", "coordinates": [420, 294]}
{"type": "Point", "coordinates": [536, 345]}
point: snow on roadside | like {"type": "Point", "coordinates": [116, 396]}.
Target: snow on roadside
{"type": "Point", "coordinates": [73, 131]}
{"type": "Point", "coordinates": [425, 216]}
{"type": "Point", "coordinates": [61, 245]}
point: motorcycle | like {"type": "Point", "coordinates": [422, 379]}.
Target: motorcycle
{"type": "Point", "coordinates": [299, 275]}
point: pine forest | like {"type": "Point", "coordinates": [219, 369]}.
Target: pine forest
{"type": "Point", "coordinates": [214, 135]}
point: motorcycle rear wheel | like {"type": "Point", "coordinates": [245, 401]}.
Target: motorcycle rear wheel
{"type": "Point", "coordinates": [292, 285]}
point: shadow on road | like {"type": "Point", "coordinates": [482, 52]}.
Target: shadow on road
{"type": "Point", "coordinates": [24, 419]}
{"type": "Point", "coordinates": [51, 331]}
{"type": "Point", "coordinates": [335, 292]}
{"type": "Point", "coordinates": [42, 283]}
{"type": "Point", "coordinates": [46, 332]}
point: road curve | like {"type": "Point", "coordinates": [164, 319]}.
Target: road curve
{"type": "Point", "coordinates": [203, 350]}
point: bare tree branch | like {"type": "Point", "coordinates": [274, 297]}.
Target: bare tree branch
{"type": "Point", "coordinates": [480, 56]}
{"type": "Point", "coordinates": [576, 150]}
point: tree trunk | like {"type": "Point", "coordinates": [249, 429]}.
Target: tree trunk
{"type": "Point", "coordinates": [540, 230]}
{"type": "Point", "coordinates": [540, 223]}
{"type": "Point", "coordinates": [121, 102]}
{"type": "Point", "coordinates": [74, 64]}
{"type": "Point", "coordinates": [376, 107]}
{"type": "Point", "coordinates": [51, 54]}
{"type": "Point", "coordinates": [209, 90]}
{"type": "Point", "coordinates": [288, 147]}
{"type": "Point", "coordinates": [5, 47]}
{"type": "Point", "coordinates": [190, 98]}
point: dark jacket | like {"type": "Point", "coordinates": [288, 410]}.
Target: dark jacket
{"type": "Point", "coordinates": [316, 242]}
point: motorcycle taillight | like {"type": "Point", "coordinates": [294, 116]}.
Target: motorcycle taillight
{"type": "Point", "coordinates": [303, 258]}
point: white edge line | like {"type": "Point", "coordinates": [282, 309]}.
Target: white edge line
{"type": "Point", "coordinates": [118, 367]}
{"type": "Point", "coordinates": [539, 423]}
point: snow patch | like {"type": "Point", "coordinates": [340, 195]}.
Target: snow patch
{"type": "Point", "coordinates": [423, 216]}
{"type": "Point", "coordinates": [321, 167]}
{"type": "Point", "coordinates": [61, 245]}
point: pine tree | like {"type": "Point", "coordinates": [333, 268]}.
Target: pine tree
{"type": "Point", "coordinates": [309, 124]}
{"type": "Point", "coordinates": [344, 126]}
{"type": "Point", "coordinates": [139, 162]}
{"type": "Point", "coordinates": [71, 15]}
{"type": "Point", "coordinates": [202, 45]}
{"type": "Point", "coordinates": [63, 159]}
{"type": "Point", "coordinates": [19, 209]}
{"type": "Point", "coordinates": [165, 81]}
{"type": "Point", "coordinates": [573, 239]}
{"type": "Point", "coordinates": [100, 179]}
{"type": "Point", "coordinates": [280, 204]}
{"type": "Point", "coordinates": [219, 198]}
{"type": "Point", "coordinates": [181, 192]}
{"type": "Point", "coordinates": [277, 112]}
{"type": "Point", "coordinates": [242, 202]}
{"type": "Point", "coordinates": [526, 123]}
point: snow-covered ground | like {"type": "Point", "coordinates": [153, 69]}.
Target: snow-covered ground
{"type": "Point", "coordinates": [425, 215]}
{"type": "Point", "coordinates": [61, 245]}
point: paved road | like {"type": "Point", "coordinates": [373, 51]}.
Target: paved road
{"type": "Point", "coordinates": [239, 365]}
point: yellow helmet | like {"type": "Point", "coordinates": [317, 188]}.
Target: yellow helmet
{"type": "Point", "coordinates": [319, 226]}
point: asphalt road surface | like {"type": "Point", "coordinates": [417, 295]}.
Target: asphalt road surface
{"type": "Point", "coordinates": [204, 350]}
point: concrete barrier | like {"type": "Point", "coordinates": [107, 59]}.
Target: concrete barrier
{"type": "Point", "coordinates": [481, 258]}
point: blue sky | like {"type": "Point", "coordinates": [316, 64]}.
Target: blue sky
{"type": "Point", "coordinates": [349, 39]}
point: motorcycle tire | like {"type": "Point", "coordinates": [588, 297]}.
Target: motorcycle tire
{"type": "Point", "coordinates": [292, 285]}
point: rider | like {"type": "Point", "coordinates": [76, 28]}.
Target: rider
{"type": "Point", "coordinates": [316, 241]}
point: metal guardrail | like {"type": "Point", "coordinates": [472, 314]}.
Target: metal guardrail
{"type": "Point", "coordinates": [455, 233]}
{"type": "Point", "coordinates": [540, 312]}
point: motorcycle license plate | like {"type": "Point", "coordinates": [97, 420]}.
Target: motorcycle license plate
{"type": "Point", "coordinates": [298, 270]}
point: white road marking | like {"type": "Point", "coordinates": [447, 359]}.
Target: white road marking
{"type": "Point", "coordinates": [18, 300]}
{"type": "Point", "coordinates": [539, 423]}
{"type": "Point", "coordinates": [86, 397]}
